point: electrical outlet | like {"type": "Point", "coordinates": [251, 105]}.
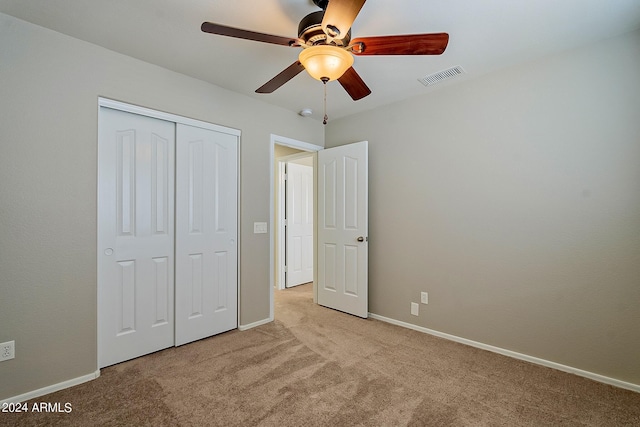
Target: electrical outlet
{"type": "Point", "coordinates": [424, 297]}
{"type": "Point", "coordinates": [414, 308]}
{"type": "Point", "coordinates": [7, 350]}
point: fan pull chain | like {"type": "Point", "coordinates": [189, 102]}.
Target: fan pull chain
{"type": "Point", "coordinates": [326, 118]}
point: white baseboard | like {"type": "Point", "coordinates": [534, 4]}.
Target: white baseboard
{"type": "Point", "coordinates": [586, 374]}
{"type": "Point", "coordinates": [254, 324]}
{"type": "Point", "coordinates": [52, 388]}
{"type": "Point", "coordinates": [513, 354]}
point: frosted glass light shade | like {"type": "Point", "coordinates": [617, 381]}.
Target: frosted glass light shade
{"type": "Point", "coordinates": [326, 62]}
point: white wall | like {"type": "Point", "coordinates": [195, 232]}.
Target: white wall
{"type": "Point", "coordinates": [514, 200]}
{"type": "Point", "coordinates": [49, 88]}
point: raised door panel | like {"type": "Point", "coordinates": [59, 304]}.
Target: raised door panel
{"type": "Point", "coordinates": [125, 303]}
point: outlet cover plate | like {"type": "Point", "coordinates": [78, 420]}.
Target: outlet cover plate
{"type": "Point", "coordinates": [7, 350]}
{"type": "Point", "coordinates": [414, 308]}
{"type": "Point", "coordinates": [424, 297]}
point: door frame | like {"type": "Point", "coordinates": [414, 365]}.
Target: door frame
{"type": "Point", "coordinates": [143, 111]}
{"type": "Point", "coordinates": [299, 145]}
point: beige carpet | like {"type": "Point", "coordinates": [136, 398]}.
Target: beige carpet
{"type": "Point", "coordinates": [318, 367]}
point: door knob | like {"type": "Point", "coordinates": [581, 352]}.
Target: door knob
{"type": "Point", "coordinates": [108, 252]}
{"type": "Point", "coordinates": [360, 239]}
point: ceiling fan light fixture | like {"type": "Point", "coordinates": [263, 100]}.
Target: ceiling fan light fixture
{"type": "Point", "coordinates": [324, 62]}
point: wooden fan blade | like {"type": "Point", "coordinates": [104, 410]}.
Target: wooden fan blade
{"type": "Point", "coordinates": [354, 85]}
{"type": "Point", "coordinates": [410, 44]}
{"type": "Point", "coordinates": [287, 74]}
{"type": "Point", "coordinates": [223, 30]}
{"type": "Point", "coordinates": [339, 17]}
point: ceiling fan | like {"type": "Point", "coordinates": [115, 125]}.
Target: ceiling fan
{"type": "Point", "coordinates": [325, 37]}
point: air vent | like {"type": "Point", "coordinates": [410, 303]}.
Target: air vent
{"type": "Point", "coordinates": [434, 78]}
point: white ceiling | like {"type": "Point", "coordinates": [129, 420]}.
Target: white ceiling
{"type": "Point", "coordinates": [485, 36]}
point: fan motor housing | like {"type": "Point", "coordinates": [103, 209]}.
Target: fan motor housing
{"type": "Point", "coordinates": [322, 4]}
{"type": "Point", "coordinates": [310, 30]}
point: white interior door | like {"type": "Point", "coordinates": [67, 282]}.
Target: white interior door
{"type": "Point", "coordinates": [299, 228]}
{"type": "Point", "coordinates": [342, 228]}
{"type": "Point", "coordinates": [206, 233]}
{"type": "Point", "coordinates": [135, 235]}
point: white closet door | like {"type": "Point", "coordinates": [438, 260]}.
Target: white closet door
{"type": "Point", "coordinates": [206, 233]}
{"type": "Point", "coordinates": [135, 235]}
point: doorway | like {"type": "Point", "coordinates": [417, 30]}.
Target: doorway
{"type": "Point", "coordinates": [281, 148]}
{"type": "Point", "coordinates": [340, 278]}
